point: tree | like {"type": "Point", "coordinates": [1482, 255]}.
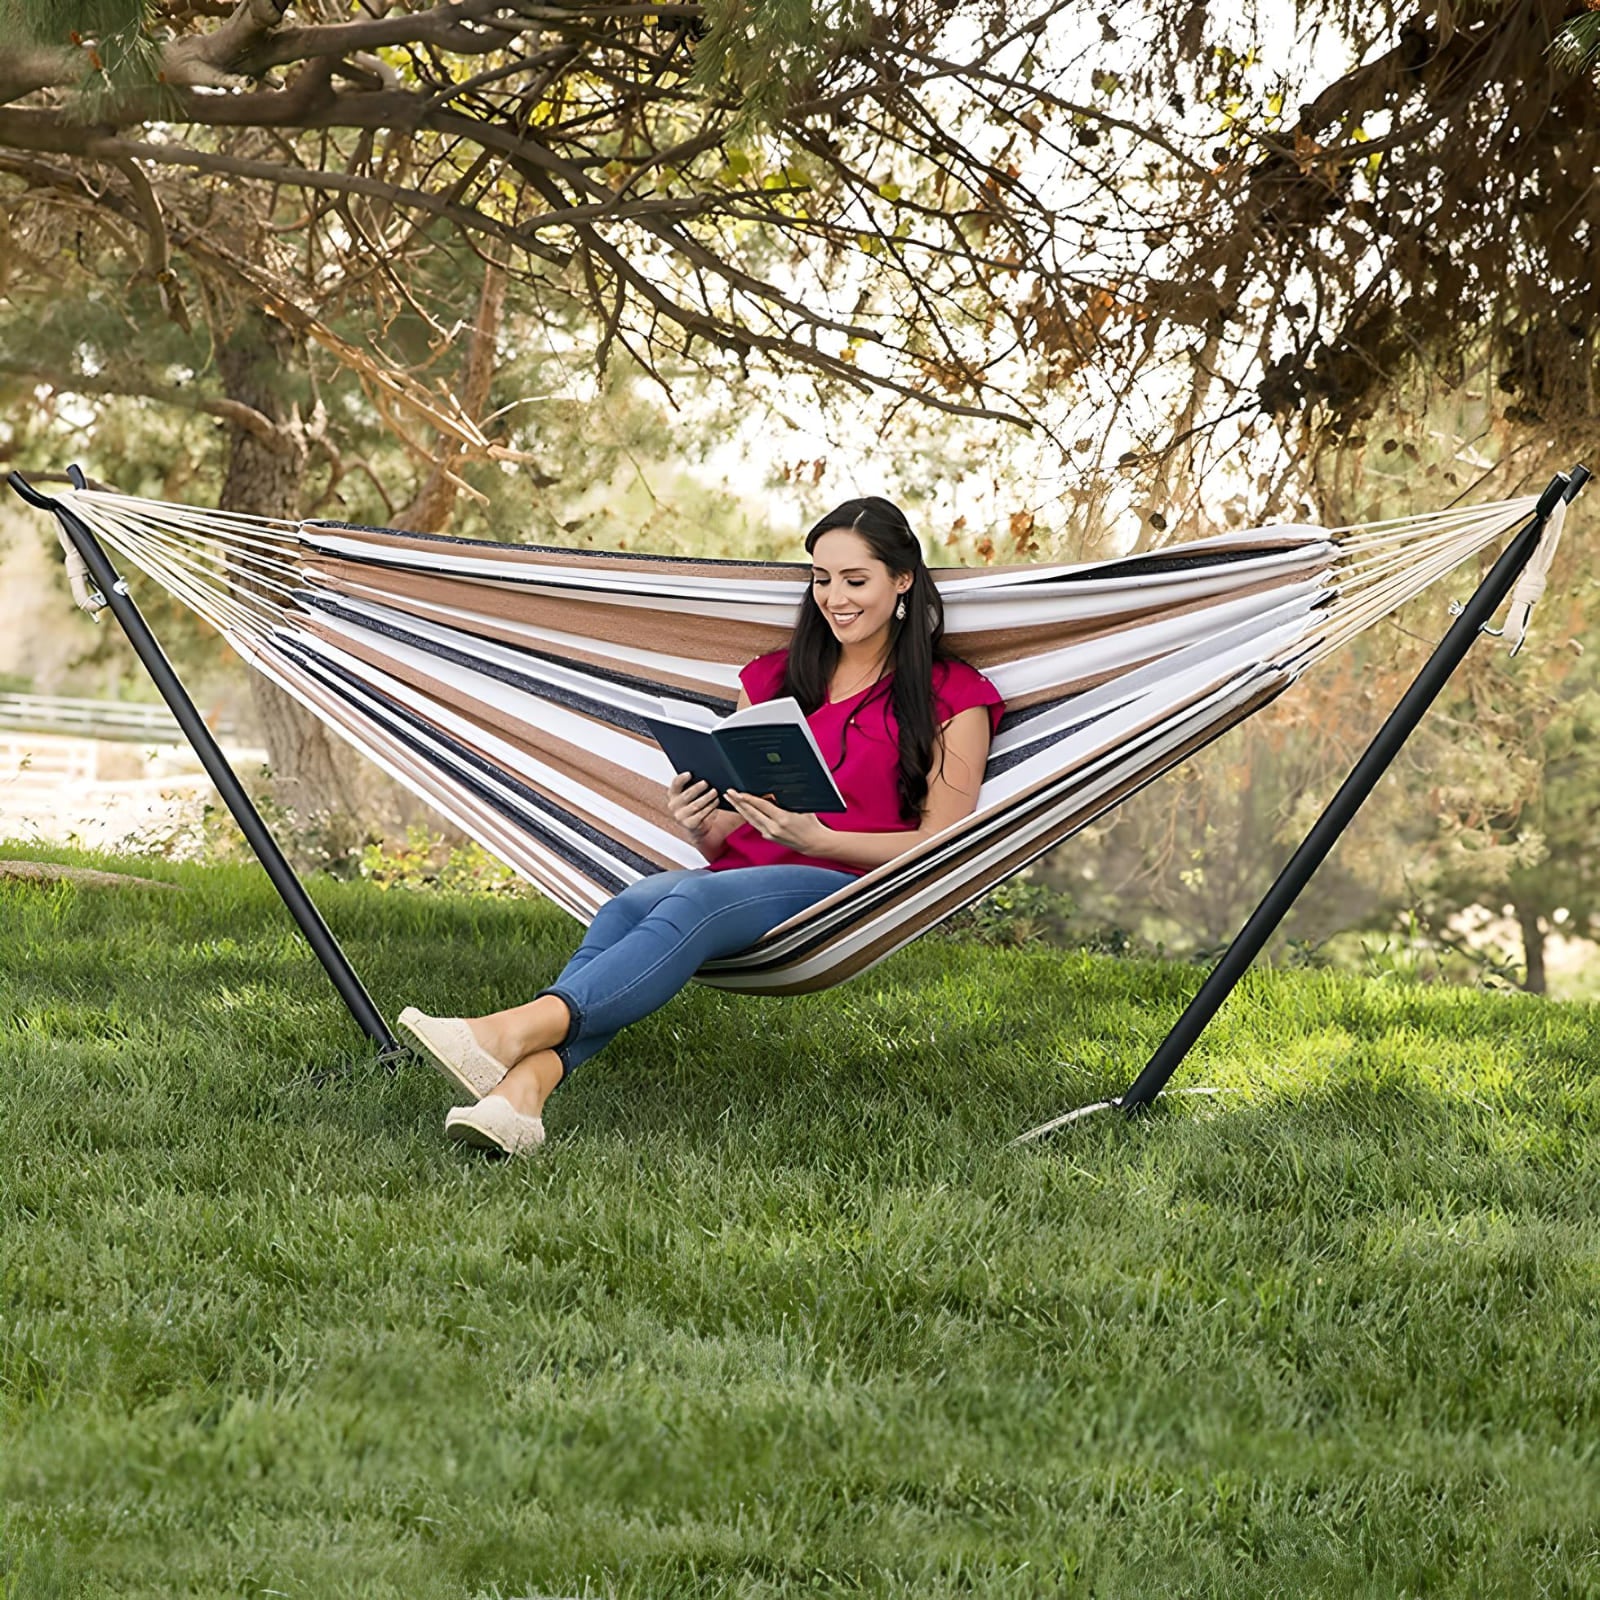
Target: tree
{"type": "Point", "coordinates": [1219, 286]}
{"type": "Point", "coordinates": [691, 177]}
{"type": "Point", "coordinates": [824, 190]}
{"type": "Point", "coordinates": [1381, 290]}
{"type": "Point", "coordinates": [1422, 213]}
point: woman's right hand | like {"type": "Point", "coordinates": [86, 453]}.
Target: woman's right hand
{"type": "Point", "coordinates": [692, 804]}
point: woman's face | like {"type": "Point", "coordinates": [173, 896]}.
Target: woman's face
{"type": "Point", "coordinates": [854, 589]}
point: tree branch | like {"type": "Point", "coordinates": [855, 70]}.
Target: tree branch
{"type": "Point", "coordinates": [253, 422]}
{"type": "Point", "coordinates": [25, 69]}
{"type": "Point", "coordinates": [213, 58]}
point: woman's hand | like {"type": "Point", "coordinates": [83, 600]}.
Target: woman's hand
{"type": "Point", "coordinates": [798, 830]}
{"type": "Point", "coordinates": [692, 803]}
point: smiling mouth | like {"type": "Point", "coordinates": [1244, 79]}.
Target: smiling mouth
{"type": "Point", "coordinates": [843, 622]}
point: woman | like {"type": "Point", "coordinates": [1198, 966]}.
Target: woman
{"type": "Point", "coordinates": [910, 726]}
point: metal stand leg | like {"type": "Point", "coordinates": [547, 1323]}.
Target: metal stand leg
{"type": "Point", "coordinates": [1401, 723]}
{"type": "Point", "coordinates": [290, 889]}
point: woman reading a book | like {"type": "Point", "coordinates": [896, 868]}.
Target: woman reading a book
{"type": "Point", "coordinates": [905, 728]}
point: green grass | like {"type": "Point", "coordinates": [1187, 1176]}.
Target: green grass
{"type": "Point", "coordinates": [779, 1311]}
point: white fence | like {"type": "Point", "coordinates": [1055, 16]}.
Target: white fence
{"type": "Point", "coordinates": [121, 793]}
{"type": "Point", "coordinates": [32, 764]}
{"type": "Point", "coordinates": [92, 719]}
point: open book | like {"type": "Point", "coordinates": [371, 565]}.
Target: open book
{"type": "Point", "coordinates": [766, 749]}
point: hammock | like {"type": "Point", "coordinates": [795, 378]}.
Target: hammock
{"type": "Point", "coordinates": [506, 685]}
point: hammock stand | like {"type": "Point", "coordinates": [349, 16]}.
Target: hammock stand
{"type": "Point", "coordinates": [111, 590]}
{"type": "Point", "coordinates": [1472, 619]}
{"type": "Point", "coordinates": [1401, 723]}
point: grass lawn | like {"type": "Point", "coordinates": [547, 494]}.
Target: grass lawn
{"type": "Point", "coordinates": [779, 1310]}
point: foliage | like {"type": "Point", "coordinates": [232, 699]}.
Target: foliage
{"type": "Point", "coordinates": [1028, 911]}
{"type": "Point", "coordinates": [1131, 239]}
{"type": "Point", "coordinates": [706, 185]}
{"type": "Point", "coordinates": [1328, 220]}
{"type": "Point", "coordinates": [1018, 912]}
{"type": "Point", "coordinates": [1577, 46]}
{"type": "Point", "coordinates": [425, 860]}
{"type": "Point", "coordinates": [1330, 1333]}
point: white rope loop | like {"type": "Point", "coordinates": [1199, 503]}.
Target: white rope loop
{"type": "Point", "coordinates": [1535, 577]}
{"type": "Point", "coordinates": [85, 596]}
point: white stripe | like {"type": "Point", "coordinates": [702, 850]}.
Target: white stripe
{"type": "Point", "coordinates": [604, 814]}
{"type": "Point", "coordinates": [1165, 637]}
{"type": "Point", "coordinates": [901, 917]}
{"type": "Point", "coordinates": [715, 674]}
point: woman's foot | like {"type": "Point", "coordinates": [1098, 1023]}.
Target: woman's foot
{"type": "Point", "coordinates": [456, 1050]}
{"type": "Point", "coordinates": [511, 1119]}
{"type": "Point", "coordinates": [528, 1085]}
{"type": "Point", "coordinates": [495, 1124]}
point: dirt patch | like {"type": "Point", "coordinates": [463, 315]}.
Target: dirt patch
{"type": "Point", "coordinates": [50, 872]}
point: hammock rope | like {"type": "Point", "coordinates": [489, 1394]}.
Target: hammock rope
{"type": "Point", "coordinates": [505, 685]}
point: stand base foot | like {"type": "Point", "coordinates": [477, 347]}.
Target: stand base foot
{"type": "Point", "coordinates": [1083, 1113]}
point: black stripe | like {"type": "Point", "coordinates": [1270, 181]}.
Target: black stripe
{"type": "Point", "coordinates": [570, 699]}
{"type": "Point", "coordinates": [587, 866]}
{"type": "Point", "coordinates": [1159, 562]}
{"type": "Point", "coordinates": [1011, 758]}
{"type": "Point", "coordinates": [1156, 561]}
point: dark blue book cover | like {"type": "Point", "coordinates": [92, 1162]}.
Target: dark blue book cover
{"type": "Point", "coordinates": [766, 749]}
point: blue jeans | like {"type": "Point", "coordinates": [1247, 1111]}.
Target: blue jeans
{"type": "Point", "coordinates": [647, 942]}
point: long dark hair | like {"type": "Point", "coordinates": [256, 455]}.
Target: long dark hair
{"type": "Point", "coordinates": [914, 643]}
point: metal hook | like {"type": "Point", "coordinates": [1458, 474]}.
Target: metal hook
{"type": "Point", "coordinates": [1455, 609]}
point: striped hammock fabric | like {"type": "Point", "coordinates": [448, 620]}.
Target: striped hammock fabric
{"type": "Point", "coordinates": [505, 685]}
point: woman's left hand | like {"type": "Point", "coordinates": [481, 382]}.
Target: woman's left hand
{"type": "Point", "coordinates": [797, 830]}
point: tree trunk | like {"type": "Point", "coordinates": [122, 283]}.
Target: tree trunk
{"type": "Point", "coordinates": [334, 796]}
{"type": "Point", "coordinates": [1533, 937]}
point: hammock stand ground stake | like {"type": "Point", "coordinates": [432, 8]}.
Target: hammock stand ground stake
{"type": "Point", "coordinates": [114, 591]}
{"type": "Point", "coordinates": [1401, 723]}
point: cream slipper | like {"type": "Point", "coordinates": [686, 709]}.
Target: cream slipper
{"type": "Point", "coordinates": [495, 1124]}
{"type": "Point", "coordinates": [459, 1056]}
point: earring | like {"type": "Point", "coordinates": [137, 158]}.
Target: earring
{"type": "Point", "coordinates": [900, 609]}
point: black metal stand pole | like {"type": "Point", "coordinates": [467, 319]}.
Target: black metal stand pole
{"type": "Point", "coordinates": [1379, 754]}
{"type": "Point", "coordinates": [115, 591]}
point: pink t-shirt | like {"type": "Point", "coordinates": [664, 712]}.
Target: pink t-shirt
{"type": "Point", "coordinates": [867, 776]}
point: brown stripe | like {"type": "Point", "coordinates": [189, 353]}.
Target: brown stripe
{"type": "Point", "coordinates": [1018, 809]}
{"type": "Point", "coordinates": [602, 662]}
{"type": "Point", "coordinates": [594, 659]}
{"type": "Point", "coordinates": [620, 785]}
{"type": "Point", "coordinates": [723, 639]}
